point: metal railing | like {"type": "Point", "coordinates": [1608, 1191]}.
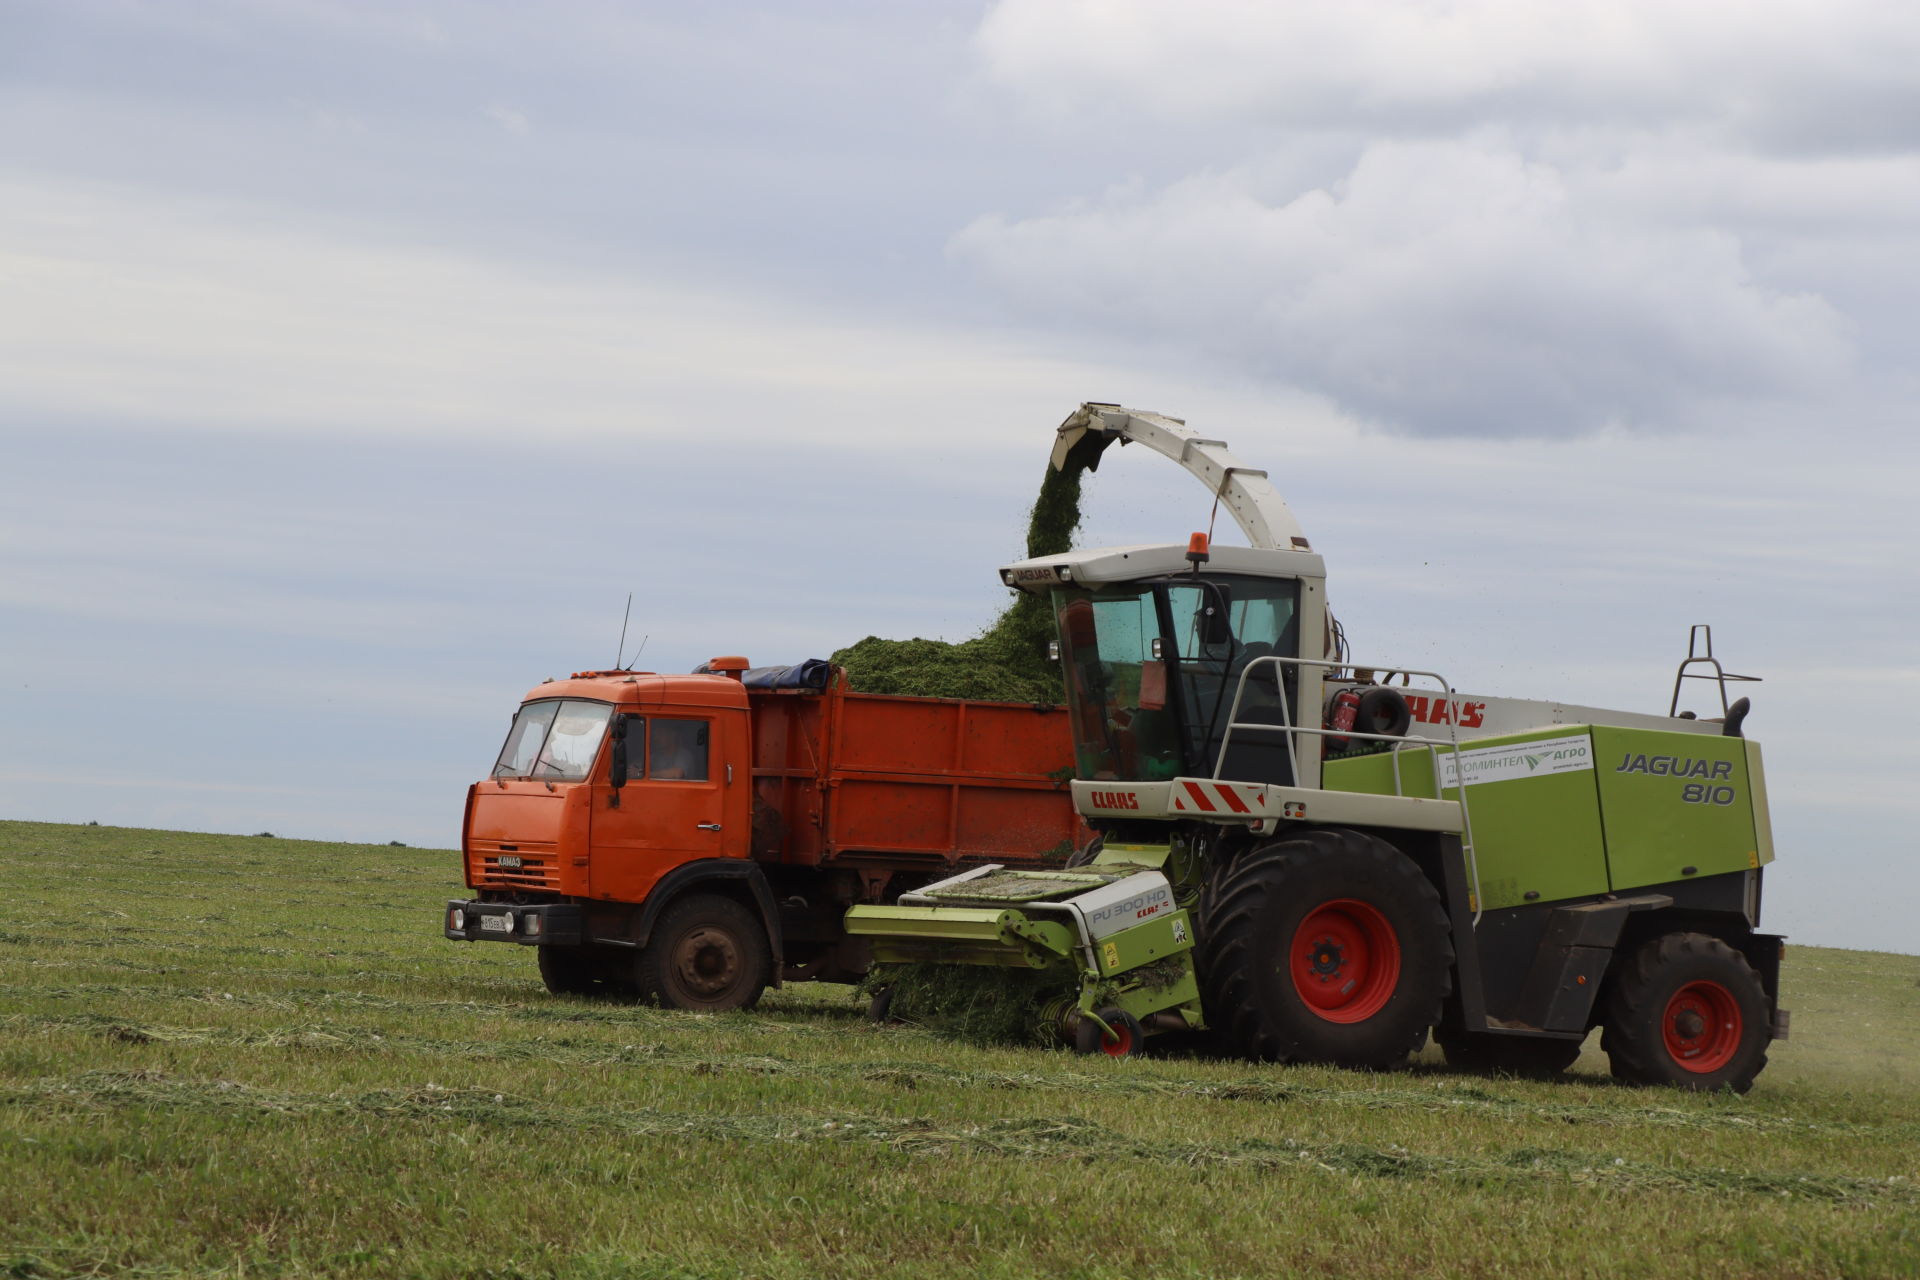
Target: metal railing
{"type": "Point", "coordinates": [1398, 744]}
{"type": "Point", "coordinates": [1700, 653]}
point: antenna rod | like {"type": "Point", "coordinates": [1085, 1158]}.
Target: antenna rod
{"type": "Point", "coordinates": [621, 651]}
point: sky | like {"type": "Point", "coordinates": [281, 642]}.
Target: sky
{"type": "Point", "coordinates": [358, 360]}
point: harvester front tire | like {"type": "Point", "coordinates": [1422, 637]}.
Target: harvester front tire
{"type": "Point", "coordinates": [1129, 1036]}
{"type": "Point", "coordinates": [1687, 1010]}
{"type": "Point", "coordinates": [1327, 947]}
{"type": "Point", "coordinates": [707, 954]}
{"type": "Point", "coordinates": [1489, 1054]}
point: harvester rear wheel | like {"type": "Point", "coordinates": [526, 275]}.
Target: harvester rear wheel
{"type": "Point", "coordinates": [1507, 1055]}
{"type": "Point", "coordinates": [1128, 1039]}
{"type": "Point", "coordinates": [1687, 1010]}
{"type": "Point", "coordinates": [1330, 946]}
{"type": "Point", "coordinates": [706, 953]}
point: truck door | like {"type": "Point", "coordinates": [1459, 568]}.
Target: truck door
{"type": "Point", "coordinates": [672, 810]}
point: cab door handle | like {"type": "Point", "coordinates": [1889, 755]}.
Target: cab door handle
{"type": "Point", "coordinates": [707, 826]}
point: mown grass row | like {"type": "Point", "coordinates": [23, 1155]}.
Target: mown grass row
{"type": "Point", "coordinates": [236, 1056]}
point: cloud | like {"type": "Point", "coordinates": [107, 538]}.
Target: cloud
{"type": "Point", "coordinates": [1790, 74]}
{"type": "Point", "coordinates": [514, 122]}
{"type": "Point", "coordinates": [1451, 287]}
{"type": "Point", "coordinates": [125, 303]}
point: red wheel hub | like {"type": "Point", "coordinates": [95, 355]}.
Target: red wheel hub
{"type": "Point", "coordinates": [1345, 960]}
{"type": "Point", "coordinates": [1120, 1044]}
{"type": "Point", "coordinates": [1701, 1027]}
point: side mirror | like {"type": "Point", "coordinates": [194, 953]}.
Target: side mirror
{"type": "Point", "coordinates": [1216, 627]}
{"type": "Point", "coordinates": [617, 757]}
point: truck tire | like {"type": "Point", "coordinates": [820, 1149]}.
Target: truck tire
{"type": "Point", "coordinates": [569, 971]}
{"type": "Point", "coordinates": [1507, 1055]}
{"type": "Point", "coordinates": [706, 953]}
{"type": "Point", "coordinates": [585, 971]}
{"type": "Point", "coordinates": [1687, 1010]}
{"type": "Point", "coordinates": [1327, 947]}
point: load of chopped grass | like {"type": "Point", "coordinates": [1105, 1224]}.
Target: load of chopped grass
{"type": "Point", "coordinates": [979, 1004]}
{"type": "Point", "coordinates": [1005, 663]}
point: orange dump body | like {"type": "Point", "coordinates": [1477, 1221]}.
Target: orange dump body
{"type": "Point", "coordinates": [911, 782]}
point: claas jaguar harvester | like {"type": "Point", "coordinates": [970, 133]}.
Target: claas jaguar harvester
{"type": "Point", "coordinates": [1316, 865]}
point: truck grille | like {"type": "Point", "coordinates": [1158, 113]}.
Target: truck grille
{"type": "Point", "coordinates": [535, 870]}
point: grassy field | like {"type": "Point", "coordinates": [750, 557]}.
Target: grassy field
{"type": "Point", "coordinates": [256, 1057]}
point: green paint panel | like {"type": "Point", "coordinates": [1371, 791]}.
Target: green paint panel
{"type": "Point", "coordinates": [1762, 819]}
{"type": "Point", "coordinates": [1145, 943]}
{"type": "Point", "coordinates": [1144, 999]}
{"type": "Point", "coordinates": [1533, 803]}
{"type": "Point", "coordinates": [1671, 801]}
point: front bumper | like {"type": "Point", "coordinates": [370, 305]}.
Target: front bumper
{"type": "Point", "coordinates": [546, 924]}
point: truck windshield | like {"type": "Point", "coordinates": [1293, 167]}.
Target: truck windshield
{"type": "Point", "coordinates": [555, 738]}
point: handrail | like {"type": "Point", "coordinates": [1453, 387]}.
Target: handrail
{"type": "Point", "coordinates": [1694, 657]}
{"type": "Point", "coordinates": [1293, 756]}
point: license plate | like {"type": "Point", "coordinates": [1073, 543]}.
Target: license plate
{"type": "Point", "coordinates": [496, 924]}
{"type": "Point", "coordinates": [509, 860]}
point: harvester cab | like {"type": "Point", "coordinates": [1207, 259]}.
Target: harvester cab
{"type": "Point", "coordinates": [1318, 867]}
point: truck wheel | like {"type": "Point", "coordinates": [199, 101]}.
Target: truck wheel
{"type": "Point", "coordinates": [1687, 1010]}
{"type": "Point", "coordinates": [1327, 947]}
{"type": "Point", "coordinates": [1129, 1036]}
{"type": "Point", "coordinates": [706, 953]}
{"type": "Point", "coordinates": [1507, 1055]}
{"type": "Point", "coordinates": [569, 971]}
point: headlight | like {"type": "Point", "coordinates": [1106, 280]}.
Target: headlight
{"type": "Point", "coordinates": [457, 920]}
{"type": "Point", "coordinates": [532, 923]}
{"type": "Point", "coordinates": [1064, 572]}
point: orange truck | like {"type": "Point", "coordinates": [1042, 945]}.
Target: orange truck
{"type": "Point", "coordinates": [692, 839]}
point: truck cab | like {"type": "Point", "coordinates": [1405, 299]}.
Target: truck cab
{"type": "Point", "coordinates": [607, 781]}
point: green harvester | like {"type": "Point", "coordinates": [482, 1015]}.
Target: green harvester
{"type": "Point", "coordinates": [1315, 859]}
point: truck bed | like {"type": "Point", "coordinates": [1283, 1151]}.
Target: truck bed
{"type": "Point", "coordinates": [845, 777]}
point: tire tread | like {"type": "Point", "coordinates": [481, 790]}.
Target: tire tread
{"type": "Point", "coordinates": [1231, 944]}
{"type": "Point", "coordinates": [1636, 1050]}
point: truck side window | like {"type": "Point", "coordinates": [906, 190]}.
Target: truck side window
{"type": "Point", "coordinates": [677, 750]}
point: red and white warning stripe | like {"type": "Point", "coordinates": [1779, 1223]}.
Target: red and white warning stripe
{"type": "Point", "coordinates": [1224, 798]}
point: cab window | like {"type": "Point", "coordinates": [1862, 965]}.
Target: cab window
{"type": "Point", "coordinates": [677, 750]}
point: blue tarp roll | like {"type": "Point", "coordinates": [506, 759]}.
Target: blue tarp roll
{"type": "Point", "coordinates": [814, 673]}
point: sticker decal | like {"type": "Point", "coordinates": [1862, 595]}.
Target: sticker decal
{"type": "Point", "coordinates": [1179, 930]}
{"type": "Point", "coordinates": [1110, 955]}
{"type": "Point", "coordinates": [1523, 760]}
